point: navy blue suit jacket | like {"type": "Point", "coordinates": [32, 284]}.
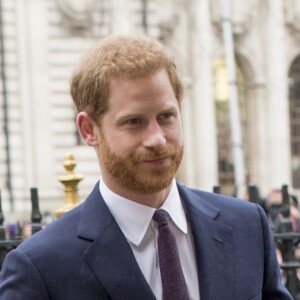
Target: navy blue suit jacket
{"type": "Point", "coordinates": [84, 255]}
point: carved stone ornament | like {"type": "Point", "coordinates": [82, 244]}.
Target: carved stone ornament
{"type": "Point", "coordinates": [77, 13]}
{"type": "Point", "coordinates": [292, 13]}
{"type": "Point", "coordinates": [167, 16]}
{"type": "Point", "coordinates": [241, 14]}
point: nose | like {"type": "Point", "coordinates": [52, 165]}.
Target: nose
{"type": "Point", "coordinates": [154, 136]}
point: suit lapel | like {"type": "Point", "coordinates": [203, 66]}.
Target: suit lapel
{"type": "Point", "coordinates": [109, 255]}
{"type": "Point", "coordinates": [112, 261]}
{"type": "Point", "coordinates": [213, 247]}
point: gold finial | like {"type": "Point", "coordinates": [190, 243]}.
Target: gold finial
{"type": "Point", "coordinates": [70, 180]}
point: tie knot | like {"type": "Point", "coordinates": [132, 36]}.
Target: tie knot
{"type": "Point", "coordinates": [161, 217]}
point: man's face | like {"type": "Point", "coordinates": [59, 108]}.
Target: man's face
{"type": "Point", "coordinates": [140, 137]}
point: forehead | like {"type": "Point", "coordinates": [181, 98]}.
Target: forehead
{"type": "Point", "coordinates": [159, 78]}
{"type": "Point", "coordinates": [148, 92]}
{"type": "Point", "coordinates": [156, 84]}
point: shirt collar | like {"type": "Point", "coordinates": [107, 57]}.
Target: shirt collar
{"type": "Point", "coordinates": [134, 218]}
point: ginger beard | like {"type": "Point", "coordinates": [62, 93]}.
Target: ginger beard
{"type": "Point", "coordinates": [133, 174]}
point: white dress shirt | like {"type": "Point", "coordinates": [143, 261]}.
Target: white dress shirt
{"type": "Point", "coordinates": [135, 221]}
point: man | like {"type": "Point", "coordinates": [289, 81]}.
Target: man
{"type": "Point", "coordinates": [128, 96]}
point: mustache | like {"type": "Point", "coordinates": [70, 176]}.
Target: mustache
{"type": "Point", "coordinates": [154, 154]}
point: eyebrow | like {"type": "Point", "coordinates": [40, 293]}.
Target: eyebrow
{"type": "Point", "coordinates": [129, 115]}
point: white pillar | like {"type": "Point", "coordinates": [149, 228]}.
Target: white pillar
{"type": "Point", "coordinates": [28, 126]}
{"type": "Point", "coordinates": [122, 19]}
{"type": "Point", "coordinates": [203, 101]}
{"type": "Point", "coordinates": [279, 170]}
{"type": "Point", "coordinates": [234, 111]}
{"type": "Point", "coordinates": [258, 135]}
{"type": "Point", "coordinates": [34, 63]}
{"type": "Point", "coordinates": [187, 172]}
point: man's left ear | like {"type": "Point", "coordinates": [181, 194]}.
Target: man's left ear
{"type": "Point", "coordinates": [86, 126]}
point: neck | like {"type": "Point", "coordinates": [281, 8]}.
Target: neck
{"type": "Point", "coordinates": [154, 200]}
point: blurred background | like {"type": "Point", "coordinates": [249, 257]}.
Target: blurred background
{"type": "Point", "coordinates": [240, 63]}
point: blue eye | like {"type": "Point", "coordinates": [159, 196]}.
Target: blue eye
{"type": "Point", "coordinates": [134, 121]}
{"type": "Point", "coordinates": [165, 116]}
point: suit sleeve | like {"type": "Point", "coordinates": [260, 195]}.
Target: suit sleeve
{"type": "Point", "coordinates": [20, 280]}
{"type": "Point", "coordinates": [273, 287]}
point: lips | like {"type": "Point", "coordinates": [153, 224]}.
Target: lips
{"type": "Point", "coordinates": [156, 161]}
{"type": "Point", "coordinates": [155, 156]}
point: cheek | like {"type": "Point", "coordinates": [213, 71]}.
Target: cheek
{"type": "Point", "coordinates": [174, 136]}
{"type": "Point", "coordinates": [122, 146]}
{"type": "Point", "coordinates": [178, 141]}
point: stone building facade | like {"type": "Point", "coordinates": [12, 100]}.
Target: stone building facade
{"type": "Point", "coordinates": [43, 39]}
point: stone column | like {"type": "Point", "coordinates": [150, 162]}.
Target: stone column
{"type": "Point", "coordinates": [187, 172]}
{"type": "Point", "coordinates": [258, 134]}
{"type": "Point", "coordinates": [204, 131]}
{"type": "Point", "coordinates": [36, 104]}
{"type": "Point", "coordinates": [180, 45]}
{"type": "Point", "coordinates": [122, 18]}
{"type": "Point", "coordinates": [26, 103]}
{"type": "Point", "coordinates": [279, 170]}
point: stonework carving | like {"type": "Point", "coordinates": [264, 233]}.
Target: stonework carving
{"type": "Point", "coordinates": [164, 15]}
{"type": "Point", "coordinates": [77, 14]}
{"type": "Point", "coordinates": [292, 14]}
{"type": "Point", "coordinates": [241, 12]}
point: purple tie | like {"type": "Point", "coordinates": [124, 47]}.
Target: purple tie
{"type": "Point", "coordinates": [173, 282]}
